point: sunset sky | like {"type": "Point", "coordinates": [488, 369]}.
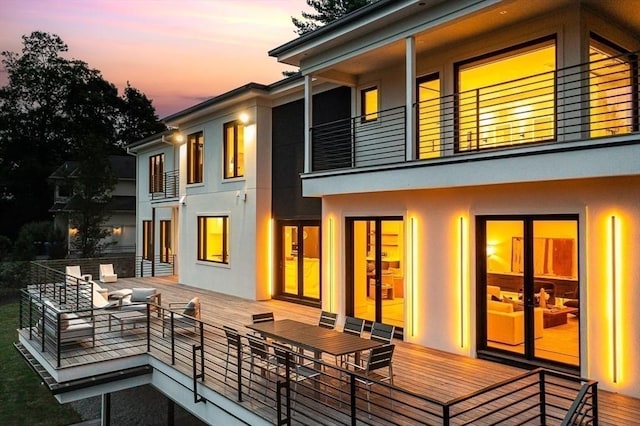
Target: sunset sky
{"type": "Point", "coordinates": [178, 52]}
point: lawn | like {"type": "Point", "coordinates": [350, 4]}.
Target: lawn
{"type": "Point", "coordinates": [23, 400]}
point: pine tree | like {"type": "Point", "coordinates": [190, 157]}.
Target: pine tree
{"type": "Point", "coordinates": [326, 11]}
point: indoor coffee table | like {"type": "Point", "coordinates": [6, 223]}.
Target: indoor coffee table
{"type": "Point", "coordinates": [556, 316]}
{"type": "Point", "coordinates": [127, 317]}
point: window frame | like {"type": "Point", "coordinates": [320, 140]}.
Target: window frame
{"type": "Point", "coordinates": [201, 248]}
{"type": "Point", "coordinates": [147, 240]}
{"type": "Point", "coordinates": [156, 173]}
{"type": "Point", "coordinates": [195, 157]}
{"type": "Point", "coordinates": [365, 115]}
{"type": "Point", "coordinates": [238, 141]}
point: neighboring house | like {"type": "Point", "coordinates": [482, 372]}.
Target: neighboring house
{"type": "Point", "coordinates": [122, 206]}
{"type": "Point", "coordinates": [221, 192]}
{"type": "Point", "coordinates": [492, 151]}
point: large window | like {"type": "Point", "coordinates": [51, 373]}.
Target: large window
{"type": "Point", "coordinates": [429, 116]}
{"type": "Point", "coordinates": [233, 149]}
{"type": "Point", "coordinates": [165, 241]}
{"type": "Point", "coordinates": [147, 240]}
{"type": "Point", "coordinates": [156, 173]}
{"type": "Point", "coordinates": [610, 82]}
{"type": "Point", "coordinates": [213, 238]}
{"type": "Point", "coordinates": [195, 146]}
{"type": "Point", "coordinates": [369, 104]}
{"type": "Point", "coordinates": [508, 97]}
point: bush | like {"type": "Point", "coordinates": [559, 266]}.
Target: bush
{"type": "Point", "coordinates": [38, 239]}
{"type": "Point", "coordinates": [12, 278]}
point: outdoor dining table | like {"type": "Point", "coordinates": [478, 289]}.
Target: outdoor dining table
{"type": "Point", "coordinates": [313, 338]}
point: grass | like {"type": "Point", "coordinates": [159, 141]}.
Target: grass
{"type": "Point", "coordinates": [23, 399]}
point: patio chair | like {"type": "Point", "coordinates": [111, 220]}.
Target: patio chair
{"type": "Point", "coordinates": [263, 317]}
{"type": "Point", "coordinates": [382, 332]}
{"type": "Point", "coordinates": [327, 320]}
{"type": "Point", "coordinates": [186, 316]}
{"type": "Point", "coordinates": [74, 272]}
{"type": "Point", "coordinates": [379, 358]}
{"type": "Point", "coordinates": [106, 273]}
{"type": "Point", "coordinates": [353, 326]}
{"type": "Point", "coordinates": [233, 344]}
{"type": "Point", "coordinates": [259, 358]}
{"type": "Point", "coordinates": [297, 373]}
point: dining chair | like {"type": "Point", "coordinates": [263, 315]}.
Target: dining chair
{"type": "Point", "coordinates": [370, 373]}
{"type": "Point", "coordinates": [354, 326]}
{"type": "Point", "coordinates": [328, 320]}
{"type": "Point", "coordinates": [382, 332]}
{"type": "Point", "coordinates": [297, 373]}
{"type": "Point", "coordinates": [260, 358]}
{"type": "Point", "coordinates": [233, 344]}
{"type": "Point", "coordinates": [263, 317]}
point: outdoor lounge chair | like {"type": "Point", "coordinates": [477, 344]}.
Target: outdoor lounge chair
{"type": "Point", "coordinates": [379, 358]}
{"type": "Point", "coordinates": [182, 316]}
{"type": "Point", "coordinates": [106, 273]}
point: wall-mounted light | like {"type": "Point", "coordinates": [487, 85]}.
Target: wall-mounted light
{"type": "Point", "coordinates": [615, 258]}
{"type": "Point", "coordinates": [73, 232]}
{"type": "Point", "coordinates": [117, 230]}
{"type": "Point", "coordinates": [331, 263]}
{"type": "Point", "coordinates": [491, 250]}
{"type": "Point", "coordinates": [244, 118]}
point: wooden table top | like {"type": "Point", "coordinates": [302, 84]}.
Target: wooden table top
{"type": "Point", "coordinates": [313, 337]}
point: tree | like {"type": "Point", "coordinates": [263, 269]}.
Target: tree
{"type": "Point", "coordinates": [326, 11]}
{"type": "Point", "coordinates": [55, 109]}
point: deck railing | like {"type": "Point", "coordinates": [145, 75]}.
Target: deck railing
{"type": "Point", "coordinates": [159, 266]}
{"type": "Point", "coordinates": [167, 186]}
{"type": "Point", "coordinates": [201, 351]}
{"type": "Point", "coordinates": [589, 101]}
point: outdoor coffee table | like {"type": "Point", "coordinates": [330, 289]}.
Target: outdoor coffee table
{"type": "Point", "coordinates": [126, 317]}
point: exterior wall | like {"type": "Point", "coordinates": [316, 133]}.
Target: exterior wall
{"type": "Point", "coordinates": [437, 216]}
{"type": "Point", "coordinates": [246, 201]}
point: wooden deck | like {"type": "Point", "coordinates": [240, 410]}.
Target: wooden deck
{"type": "Point", "coordinates": [432, 373]}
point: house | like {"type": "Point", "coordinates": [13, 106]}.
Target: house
{"type": "Point", "coordinates": [483, 194]}
{"type": "Point", "coordinates": [220, 192]}
{"type": "Point", "coordinates": [122, 205]}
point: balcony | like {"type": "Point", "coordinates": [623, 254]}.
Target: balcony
{"type": "Point", "coordinates": [431, 387]}
{"type": "Point", "coordinates": [591, 104]}
{"type": "Point", "coordinates": [165, 186]}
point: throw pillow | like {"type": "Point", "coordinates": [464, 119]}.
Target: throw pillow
{"type": "Point", "coordinates": [141, 294]}
{"type": "Point", "coordinates": [192, 307]}
{"type": "Point", "coordinates": [495, 298]}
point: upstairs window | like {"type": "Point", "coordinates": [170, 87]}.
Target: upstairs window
{"type": "Point", "coordinates": [156, 173]}
{"type": "Point", "coordinates": [213, 238]}
{"type": "Point", "coordinates": [233, 150]}
{"type": "Point", "coordinates": [507, 97]}
{"type": "Point", "coordinates": [369, 104]}
{"type": "Point", "coordinates": [195, 147]}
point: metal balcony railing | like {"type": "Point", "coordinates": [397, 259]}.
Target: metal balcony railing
{"type": "Point", "coordinates": [167, 186]}
{"type": "Point", "coordinates": [158, 266]}
{"type": "Point", "coordinates": [224, 362]}
{"type": "Point", "coordinates": [597, 99]}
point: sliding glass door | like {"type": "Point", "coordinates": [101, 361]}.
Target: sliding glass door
{"type": "Point", "coordinates": [299, 263]}
{"type": "Point", "coordinates": [375, 283]}
{"type": "Point", "coordinates": [529, 288]}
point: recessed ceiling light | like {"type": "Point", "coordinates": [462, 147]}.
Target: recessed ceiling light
{"type": "Point", "coordinates": [503, 12]}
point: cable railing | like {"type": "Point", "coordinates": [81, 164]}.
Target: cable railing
{"type": "Point", "coordinates": [158, 266]}
{"type": "Point", "coordinates": [584, 102]}
{"type": "Point", "coordinates": [166, 185]}
{"type": "Point", "coordinates": [223, 361]}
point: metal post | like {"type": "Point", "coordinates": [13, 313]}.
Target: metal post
{"type": "Point", "coordinates": [173, 341]}
{"type": "Point", "coordinates": [543, 402]}
{"type": "Point", "coordinates": [171, 407]}
{"type": "Point", "coordinates": [352, 390]}
{"type": "Point", "coordinates": [149, 327]}
{"type": "Point", "coordinates": [105, 419]}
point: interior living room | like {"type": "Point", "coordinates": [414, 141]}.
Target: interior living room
{"type": "Point", "coordinates": [549, 298]}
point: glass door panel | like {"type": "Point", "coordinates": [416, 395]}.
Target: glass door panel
{"type": "Point", "coordinates": [290, 259]}
{"type": "Point", "coordinates": [555, 258]}
{"type": "Point", "coordinates": [378, 270]}
{"type": "Point", "coordinates": [505, 309]}
{"type": "Point", "coordinates": [311, 261]}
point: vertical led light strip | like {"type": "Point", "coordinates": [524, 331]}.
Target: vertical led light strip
{"type": "Point", "coordinates": [331, 264]}
{"type": "Point", "coordinates": [461, 230]}
{"type": "Point", "coordinates": [414, 273]}
{"type": "Point", "coordinates": [614, 298]}
{"type": "Point", "coordinates": [270, 256]}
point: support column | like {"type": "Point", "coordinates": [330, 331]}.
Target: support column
{"type": "Point", "coordinates": [410, 93]}
{"type": "Point", "coordinates": [308, 121]}
{"type": "Point", "coordinates": [105, 419]}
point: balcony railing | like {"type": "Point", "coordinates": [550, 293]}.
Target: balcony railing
{"type": "Point", "coordinates": [167, 186]}
{"type": "Point", "coordinates": [202, 352]}
{"type": "Point", "coordinates": [159, 266]}
{"type": "Point", "coordinates": [598, 99]}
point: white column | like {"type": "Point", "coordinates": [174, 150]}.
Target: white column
{"type": "Point", "coordinates": [410, 90]}
{"type": "Point", "coordinates": [308, 120]}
